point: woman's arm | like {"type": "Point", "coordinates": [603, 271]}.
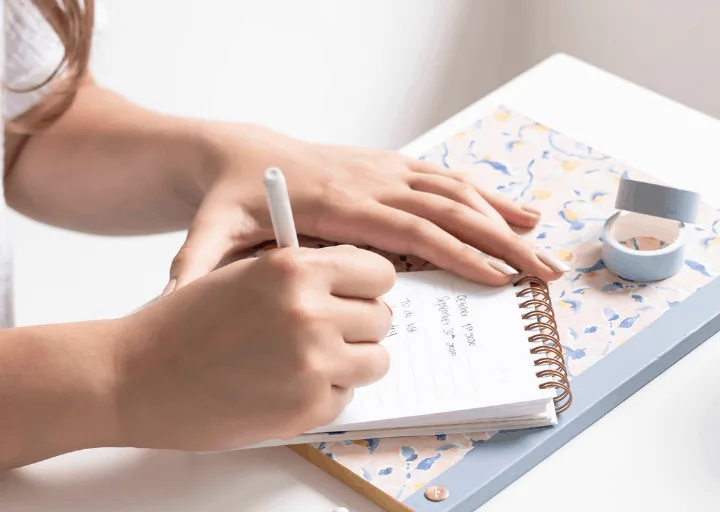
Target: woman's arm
{"type": "Point", "coordinates": [229, 361]}
{"type": "Point", "coordinates": [109, 166]}
{"type": "Point", "coordinates": [56, 387]}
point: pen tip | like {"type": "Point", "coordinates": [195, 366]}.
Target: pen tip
{"type": "Point", "coordinates": [273, 176]}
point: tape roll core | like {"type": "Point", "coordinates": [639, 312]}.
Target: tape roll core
{"type": "Point", "coordinates": [634, 263]}
{"type": "Point", "coordinates": [648, 211]}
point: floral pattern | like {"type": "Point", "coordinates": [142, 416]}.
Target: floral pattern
{"type": "Point", "coordinates": [574, 186]}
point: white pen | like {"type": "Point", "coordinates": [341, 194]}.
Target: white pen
{"type": "Point", "coordinates": [280, 211]}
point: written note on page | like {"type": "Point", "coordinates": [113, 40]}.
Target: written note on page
{"type": "Point", "coordinates": [453, 343]}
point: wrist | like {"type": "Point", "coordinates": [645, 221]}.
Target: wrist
{"type": "Point", "coordinates": [233, 149]}
{"type": "Point", "coordinates": [90, 382]}
{"type": "Point", "coordinates": [56, 387]}
{"type": "Point", "coordinates": [199, 156]}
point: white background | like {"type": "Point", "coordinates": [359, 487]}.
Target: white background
{"type": "Point", "coordinates": [374, 73]}
{"type": "Point", "coordinates": [379, 73]}
{"type": "Point", "coordinates": [656, 451]}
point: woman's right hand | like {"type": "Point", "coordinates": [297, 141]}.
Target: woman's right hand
{"type": "Point", "coordinates": [263, 348]}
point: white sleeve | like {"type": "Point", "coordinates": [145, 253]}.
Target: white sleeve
{"type": "Point", "coordinates": [32, 53]}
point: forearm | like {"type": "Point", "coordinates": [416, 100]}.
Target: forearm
{"type": "Point", "coordinates": [56, 390]}
{"type": "Point", "coordinates": [109, 166]}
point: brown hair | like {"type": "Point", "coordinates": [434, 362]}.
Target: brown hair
{"type": "Point", "coordinates": [72, 21]}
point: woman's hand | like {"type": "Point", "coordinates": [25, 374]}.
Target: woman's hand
{"type": "Point", "coordinates": [146, 172]}
{"type": "Point", "coordinates": [264, 348]}
{"type": "Point", "coordinates": [362, 197]}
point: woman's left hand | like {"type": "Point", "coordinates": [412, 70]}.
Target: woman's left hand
{"type": "Point", "coordinates": [356, 196]}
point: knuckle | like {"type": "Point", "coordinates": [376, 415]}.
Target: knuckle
{"type": "Point", "coordinates": [467, 192]}
{"type": "Point", "coordinates": [287, 263]}
{"type": "Point", "coordinates": [452, 210]}
{"type": "Point", "coordinates": [383, 320]}
{"type": "Point", "coordinates": [387, 274]}
{"type": "Point", "coordinates": [305, 410]}
{"type": "Point", "coordinates": [414, 235]}
{"type": "Point", "coordinates": [509, 244]}
{"type": "Point", "coordinates": [312, 362]}
{"type": "Point", "coordinates": [414, 228]}
{"type": "Point", "coordinates": [381, 268]}
{"type": "Point", "coordinates": [383, 362]}
{"type": "Point", "coordinates": [309, 378]}
{"type": "Point", "coordinates": [386, 159]}
{"type": "Point", "coordinates": [326, 411]}
{"type": "Point", "coordinates": [465, 177]}
{"type": "Point", "coordinates": [338, 200]}
{"type": "Point", "coordinates": [519, 247]}
{"type": "Point", "coordinates": [302, 312]}
{"type": "Point", "coordinates": [375, 368]}
{"type": "Point", "coordinates": [180, 258]}
{"type": "Point", "coordinates": [304, 399]}
{"type": "Point", "coordinates": [348, 250]}
{"type": "Point", "coordinates": [335, 194]}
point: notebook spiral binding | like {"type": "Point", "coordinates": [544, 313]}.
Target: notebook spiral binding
{"type": "Point", "coordinates": [535, 297]}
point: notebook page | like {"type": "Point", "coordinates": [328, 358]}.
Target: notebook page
{"type": "Point", "coordinates": [454, 345]}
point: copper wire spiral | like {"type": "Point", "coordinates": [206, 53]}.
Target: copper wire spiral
{"type": "Point", "coordinates": [545, 336]}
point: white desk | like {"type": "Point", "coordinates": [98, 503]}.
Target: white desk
{"type": "Point", "coordinates": [659, 450]}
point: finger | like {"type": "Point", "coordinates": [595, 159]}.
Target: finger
{"type": "Point", "coordinates": [202, 250]}
{"type": "Point", "coordinates": [355, 273]}
{"type": "Point", "coordinates": [340, 398]}
{"type": "Point", "coordinates": [325, 410]}
{"type": "Point", "coordinates": [480, 232]}
{"type": "Point", "coordinates": [456, 190]}
{"type": "Point", "coordinates": [360, 364]}
{"type": "Point", "coordinates": [209, 239]}
{"type": "Point", "coordinates": [430, 169]}
{"type": "Point", "coordinates": [523, 216]}
{"type": "Point", "coordinates": [399, 232]}
{"type": "Point", "coordinates": [362, 320]}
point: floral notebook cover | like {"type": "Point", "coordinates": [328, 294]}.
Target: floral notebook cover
{"type": "Point", "coordinates": [574, 187]}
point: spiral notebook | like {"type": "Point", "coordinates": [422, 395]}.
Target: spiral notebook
{"type": "Point", "coordinates": [463, 357]}
{"type": "Point", "coordinates": [616, 335]}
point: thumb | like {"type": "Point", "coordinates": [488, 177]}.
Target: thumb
{"type": "Point", "coordinates": [210, 238]}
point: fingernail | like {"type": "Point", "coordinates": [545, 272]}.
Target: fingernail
{"type": "Point", "coordinates": [531, 210]}
{"type": "Point", "coordinates": [169, 288]}
{"type": "Point", "coordinates": [389, 308]}
{"type": "Point", "coordinates": [503, 267]}
{"type": "Point", "coordinates": [551, 261]}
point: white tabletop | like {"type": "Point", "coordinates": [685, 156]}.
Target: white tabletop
{"type": "Point", "coordinates": [658, 450]}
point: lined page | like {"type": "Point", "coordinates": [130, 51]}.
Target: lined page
{"type": "Point", "coordinates": [453, 345]}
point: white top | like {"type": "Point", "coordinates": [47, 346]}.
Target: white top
{"type": "Point", "coordinates": [655, 451]}
{"type": "Point", "coordinates": [31, 52]}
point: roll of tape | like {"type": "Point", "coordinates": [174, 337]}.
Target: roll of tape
{"type": "Point", "coordinates": [653, 215]}
{"type": "Point", "coordinates": [657, 200]}
{"type": "Point", "coordinates": [623, 229]}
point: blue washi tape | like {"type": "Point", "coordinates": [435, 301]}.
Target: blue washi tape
{"type": "Point", "coordinates": [657, 200]}
{"type": "Point", "coordinates": [648, 211]}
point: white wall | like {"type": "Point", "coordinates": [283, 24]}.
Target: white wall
{"type": "Point", "coordinates": [669, 46]}
{"type": "Point", "coordinates": [374, 73]}
{"type": "Point", "coordinates": [371, 72]}
{"type": "Point", "coordinates": [379, 72]}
